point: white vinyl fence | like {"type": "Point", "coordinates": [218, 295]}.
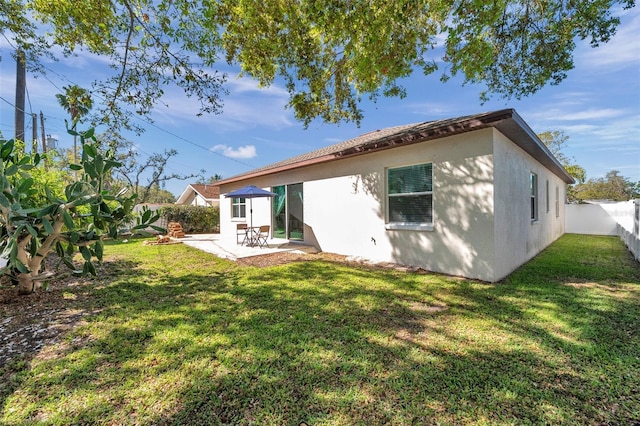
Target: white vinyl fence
{"type": "Point", "coordinates": [621, 219]}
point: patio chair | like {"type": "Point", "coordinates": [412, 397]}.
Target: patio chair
{"type": "Point", "coordinates": [241, 230]}
{"type": "Point", "coordinates": [263, 235]}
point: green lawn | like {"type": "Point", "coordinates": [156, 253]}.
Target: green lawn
{"type": "Point", "coordinates": [180, 337]}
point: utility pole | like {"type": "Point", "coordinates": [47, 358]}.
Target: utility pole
{"type": "Point", "coordinates": [21, 83]}
{"type": "Point", "coordinates": [44, 140]}
{"type": "Point", "coordinates": [44, 137]}
{"type": "Point", "coordinates": [34, 139]}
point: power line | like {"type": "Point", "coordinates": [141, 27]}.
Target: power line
{"type": "Point", "coordinates": [146, 121]}
{"type": "Point", "coordinates": [195, 144]}
{"type": "Point", "coordinates": [152, 124]}
{"type": "Point", "coordinates": [26, 89]}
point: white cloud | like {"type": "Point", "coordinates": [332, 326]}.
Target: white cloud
{"type": "Point", "coordinates": [247, 108]}
{"type": "Point", "coordinates": [236, 84]}
{"type": "Point", "coordinates": [588, 114]}
{"type": "Point", "coordinates": [621, 51]}
{"type": "Point", "coordinates": [244, 152]}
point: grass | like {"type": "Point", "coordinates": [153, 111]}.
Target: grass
{"type": "Point", "coordinates": [180, 337]}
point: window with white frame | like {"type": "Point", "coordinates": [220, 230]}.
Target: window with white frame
{"type": "Point", "coordinates": [557, 201]}
{"type": "Point", "coordinates": [410, 195]}
{"type": "Point", "coordinates": [533, 190]}
{"type": "Point", "coordinates": [239, 208]}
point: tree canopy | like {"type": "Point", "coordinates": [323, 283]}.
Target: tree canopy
{"type": "Point", "coordinates": [329, 53]}
{"type": "Point", "coordinates": [613, 186]}
{"type": "Point", "coordinates": [556, 142]}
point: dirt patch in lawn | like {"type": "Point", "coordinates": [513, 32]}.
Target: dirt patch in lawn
{"type": "Point", "coordinates": [29, 323]}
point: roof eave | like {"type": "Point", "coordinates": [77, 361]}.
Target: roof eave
{"type": "Point", "coordinates": [523, 136]}
{"type": "Point", "coordinates": [184, 194]}
{"type": "Point", "coordinates": [507, 121]}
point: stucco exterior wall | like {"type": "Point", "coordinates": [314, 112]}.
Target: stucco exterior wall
{"type": "Point", "coordinates": [481, 200]}
{"type": "Point", "coordinates": [345, 206]}
{"type": "Point", "coordinates": [517, 237]}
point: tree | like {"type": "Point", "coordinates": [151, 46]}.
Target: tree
{"type": "Point", "coordinates": [556, 141]}
{"type": "Point", "coordinates": [212, 179]}
{"type": "Point", "coordinates": [77, 221]}
{"type": "Point", "coordinates": [329, 53]}
{"type": "Point", "coordinates": [160, 196]}
{"type": "Point", "coordinates": [153, 171]}
{"type": "Point", "coordinates": [77, 102]}
{"type": "Point", "coordinates": [612, 187]}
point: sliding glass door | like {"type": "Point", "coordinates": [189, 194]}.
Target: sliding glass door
{"type": "Point", "coordinates": [288, 220]}
{"type": "Point", "coordinates": [294, 211]}
{"type": "Point", "coordinates": [279, 212]}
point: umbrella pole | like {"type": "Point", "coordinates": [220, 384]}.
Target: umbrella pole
{"type": "Point", "coordinates": [251, 219]}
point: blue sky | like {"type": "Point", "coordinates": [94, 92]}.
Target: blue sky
{"type": "Point", "coordinates": [597, 106]}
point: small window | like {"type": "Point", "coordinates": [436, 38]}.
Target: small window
{"type": "Point", "coordinates": [557, 201]}
{"type": "Point", "coordinates": [533, 188]}
{"type": "Point", "coordinates": [410, 195]}
{"type": "Point", "coordinates": [239, 208]}
{"type": "Point", "coordinates": [547, 194]}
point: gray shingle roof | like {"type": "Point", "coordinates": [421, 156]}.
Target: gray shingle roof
{"type": "Point", "coordinates": [507, 121]}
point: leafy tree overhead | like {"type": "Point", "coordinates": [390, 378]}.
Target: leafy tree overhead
{"type": "Point", "coordinates": [329, 53]}
{"type": "Point", "coordinates": [33, 225]}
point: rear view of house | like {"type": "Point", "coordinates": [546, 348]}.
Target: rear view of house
{"type": "Point", "coordinates": [475, 196]}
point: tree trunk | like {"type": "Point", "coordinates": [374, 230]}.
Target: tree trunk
{"type": "Point", "coordinates": [26, 284]}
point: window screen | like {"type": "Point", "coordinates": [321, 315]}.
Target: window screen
{"type": "Point", "coordinates": [410, 194]}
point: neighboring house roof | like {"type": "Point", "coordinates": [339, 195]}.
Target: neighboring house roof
{"type": "Point", "coordinates": [506, 121]}
{"type": "Point", "coordinates": [208, 191]}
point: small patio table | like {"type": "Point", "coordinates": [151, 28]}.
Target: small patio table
{"type": "Point", "coordinates": [251, 239]}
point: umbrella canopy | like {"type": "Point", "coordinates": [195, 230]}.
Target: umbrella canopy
{"type": "Point", "coordinates": [250, 192]}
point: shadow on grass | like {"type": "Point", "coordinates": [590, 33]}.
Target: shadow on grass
{"type": "Point", "coordinates": [37, 321]}
{"type": "Point", "coordinates": [316, 342]}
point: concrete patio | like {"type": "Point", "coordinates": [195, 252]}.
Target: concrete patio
{"type": "Point", "coordinates": [211, 243]}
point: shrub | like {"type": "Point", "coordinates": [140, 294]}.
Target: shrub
{"type": "Point", "coordinates": [194, 219]}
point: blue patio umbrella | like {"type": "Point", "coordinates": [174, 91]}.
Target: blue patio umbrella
{"type": "Point", "coordinates": [250, 192]}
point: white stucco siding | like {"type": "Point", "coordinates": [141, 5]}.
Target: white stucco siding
{"type": "Point", "coordinates": [517, 237]}
{"type": "Point", "coordinates": [343, 216]}
{"type": "Point", "coordinates": [482, 227]}
{"type": "Point", "coordinates": [345, 206]}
